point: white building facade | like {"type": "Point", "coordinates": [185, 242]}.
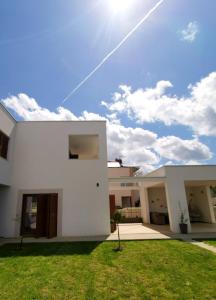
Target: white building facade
{"type": "Point", "coordinates": [53, 181]}
{"type": "Point", "coordinates": [171, 192]}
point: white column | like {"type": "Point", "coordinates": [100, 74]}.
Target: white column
{"type": "Point", "coordinates": [176, 203]}
{"type": "Point", "coordinates": [144, 204]}
{"type": "Point", "coordinates": [210, 204]}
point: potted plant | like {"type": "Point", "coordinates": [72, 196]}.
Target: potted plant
{"type": "Point", "coordinates": [183, 223]}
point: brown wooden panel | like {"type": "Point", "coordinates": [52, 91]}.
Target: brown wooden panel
{"type": "Point", "coordinates": [41, 227]}
{"type": "Point", "coordinates": [52, 215]}
{"type": "Point", "coordinates": [112, 205]}
{"type": "Point", "coordinates": [22, 230]}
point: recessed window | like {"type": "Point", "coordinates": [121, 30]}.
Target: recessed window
{"type": "Point", "coordinates": [83, 147]}
{"type": "Point", "coordinates": [4, 140]}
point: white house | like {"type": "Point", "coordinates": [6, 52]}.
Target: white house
{"type": "Point", "coordinates": [54, 182]}
{"type": "Point", "coordinates": [53, 178]}
{"type": "Point", "coordinates": [170, 191]}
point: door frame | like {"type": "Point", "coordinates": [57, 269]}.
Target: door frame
{"type": "Point", "coordinates": [18, 218]}
{"type": "Point", "coordinates": [46, 215]}
{"type": "Point", "coordinates": [33, 232]}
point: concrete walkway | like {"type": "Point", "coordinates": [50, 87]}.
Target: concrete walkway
{"type": "Point", "coordinates": [203, 245]}
{"type": "Point", "coordinates": [137, 231]}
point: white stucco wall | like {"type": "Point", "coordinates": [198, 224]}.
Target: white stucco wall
{"type": "Point", "coordinates": [197, 199]}
{"type": "Point", "coordinates": [7, 126]}
{"type": "Point", "coordinates": [119, 172]}
{"type": "Point", "coordinates": [176, 193]}
{"type": "Point", "coordinates": [41, 163]}
{"type": "Point", "coordinates": [6, 121]}
{"type": "Point", "coordinates": [160, 172]}
{"type": "Point", "coordinates": [119, 195]}
{"type": "Point", "coordinates": [157, 199]}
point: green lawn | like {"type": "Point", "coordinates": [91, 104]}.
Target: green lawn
{"type": "Point", "coordinates": [210, 242]}
{"type": "Point", "coordinates": [143, 270]}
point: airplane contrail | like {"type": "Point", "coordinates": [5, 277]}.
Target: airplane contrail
{"type": "Point", "coordinates": [150, 12]}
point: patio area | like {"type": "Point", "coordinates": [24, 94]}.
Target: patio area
{"type": "Point", "coordinates": [136, 231]}
{"type": "Point", "coordinates": [203, 227]}
{"type": "Point", "coordinates": [139, 231]}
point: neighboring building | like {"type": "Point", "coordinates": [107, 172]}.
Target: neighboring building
{"type": "Point", "coordinates": [125, 197]}
{"type": "Point", "coordinates": [53, 178]}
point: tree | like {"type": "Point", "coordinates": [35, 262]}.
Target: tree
{"type": "Point", "coordinates": [117, 219]}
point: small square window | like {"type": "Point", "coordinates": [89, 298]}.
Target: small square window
{"type": "Point", "coordinates": [83, 147]}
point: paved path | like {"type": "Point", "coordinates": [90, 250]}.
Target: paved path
{"type": "Point", "coordinates": [203, 245]}
{"type": "Point", "coordinates": [136, 231]}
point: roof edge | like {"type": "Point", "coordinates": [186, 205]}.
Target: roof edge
{"type": "Point", "coordinates": [7, 112]}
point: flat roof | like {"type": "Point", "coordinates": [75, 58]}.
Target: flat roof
{"type": "Point", "coordinates": [185, 166]}
{"type": "Point", "coordinates": [124, 179]}
{"type": "Point", "coordinates": [57, 121]}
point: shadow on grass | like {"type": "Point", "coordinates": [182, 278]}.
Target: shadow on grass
{"type": "Point", "coordinates": [206, 239]}
{"type": "Point", "coordinates": [48, 249]}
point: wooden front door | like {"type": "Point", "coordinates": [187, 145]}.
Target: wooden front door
{"type": "Point", "coordinates": [41, 226]}
{"type": "Point", "coordinates": [112, 205]}
{"type": "Point", "coordinates": [52, 209]}
{"type": "Point", "coordinates": [39, 215]}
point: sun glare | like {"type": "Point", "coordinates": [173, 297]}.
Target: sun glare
{"type": "Point", "coordinates": [119, 6]}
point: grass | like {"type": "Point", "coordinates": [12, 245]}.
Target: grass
{"type": "Point", "coordinates": [211, 242]}
{"type": "Point", "coordinates": [88, 270]}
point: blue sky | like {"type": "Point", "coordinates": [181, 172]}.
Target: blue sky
{"type": "Point", "coordinates": [48, 47]}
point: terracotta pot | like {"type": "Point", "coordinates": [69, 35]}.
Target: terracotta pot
{"type": "Point", "coordinates": [183, 228]}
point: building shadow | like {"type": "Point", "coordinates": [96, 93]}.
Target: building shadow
{"type": "Point", "coordinates": [48, 249]}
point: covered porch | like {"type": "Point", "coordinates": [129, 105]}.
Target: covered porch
{"type": "Point", "coordinates": [147, 211]}
{"type": "Point", "coordinates": [201, 205]}
{"type": "Point", "coordinates": [160, 211]}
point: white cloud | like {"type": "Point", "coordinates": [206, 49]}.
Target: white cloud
{"type": "Point", "coordinates": [174, 148]}
{"type": "Point", "coordinates": [133, 145]}
{"type": "Point", "coordinates": [190, 33]}
{"type": "Point", "coordinates": [136, 146]}
{"type": "Point", "coordinates": [28, 109]}
{"type": "Point", "coordinates": [150, 105]}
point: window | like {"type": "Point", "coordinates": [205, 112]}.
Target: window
{"type": "Point", "coordinates": [126, 201]}
{"type": "Point", "coordinates": [83, 147]}
{"type": "Point", "coordinates": [129, 184]}
{"type": "Point", "coordinates": [4, 140]}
